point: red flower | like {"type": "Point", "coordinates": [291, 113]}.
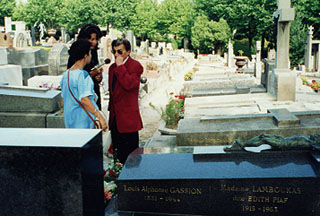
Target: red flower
{"type": "Point", "coordinates": [111, 172]}
{"type": "Point", "coordinates": [176, 96]}
{"type": "Point", "coordinates": [181, 97]}
{"type": "Point", "coordinates": [107, 195]}
{"type": "Point", "coordinates": [171, 93]}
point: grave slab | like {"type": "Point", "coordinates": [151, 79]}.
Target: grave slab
{"type": "Point", "coordinates": [222, 130]}
{"type": "Point", "coordinates": [51, 172]}
{"type": "Point", "coordinates": [11, 74]}
{"type": "Point", "coordinates": [27, 99]}
{"type": "Point", "coordinates": [220, 183]}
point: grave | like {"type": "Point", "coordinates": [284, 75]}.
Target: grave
{"type": "Point", "coordinates": [210, 181]}
{"type": "Point", "coordinates": [32, 61]}
{"type": "Point", "coordinates": [51, 172]}
{"type": "Point", "coordinates": [222, 130]}
{"type": "Point", "coordinates": [58, 59]}
{"type": "Point", "coordinates": [283, 82]}
{"type": "Point", "coordinates": [26, 107]}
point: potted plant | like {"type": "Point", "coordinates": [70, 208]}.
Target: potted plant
{"type": "Point", "coordinates": [173, 112]}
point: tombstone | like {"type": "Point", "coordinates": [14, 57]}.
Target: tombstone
{"type": "Point", "coordinates": [316, 57]}
{"type": "Point", "coordinates": [130, 37]}
{"type": "Point", "coordinates": [8, 24]}
{"type": "Point", "coordinates": [153, 45]}
{"type": "Point", "coordinates": [257, 65]}
{"type": "Point", "coordinates": [308, 50]}
{"type": "Point", "coordinates": [58, 59]}
{"type": "Point", "coordinates": [51, 172]}
{"type": "Point", "coordinates": [230, 60]}
{"type": "Point", "coordinates": [33, 36]}
{"type": "Point", "coordinates": [186, 43]}
{"type": "Point", "coordinates": [11, 74]}
{"type": "Point", "coordinates": [106, 48]}
{"type": "Point", "coordinates": [272, 54]}
{"type": "Point", "coordinates": [211, 181]}
{"type": "Point", "coordinates": [3, 54]}
{"type": "Point", "coordinates": [26, 107]}
{"type": "Point", "coordinates": [284, 83]}
{"type": "Point", "coordinates": [63, 35]}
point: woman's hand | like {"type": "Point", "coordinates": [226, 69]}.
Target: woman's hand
{"type": "Point", "coordinates": [97, 74]}
{"type": "Point", "coordinates": [102, 121]}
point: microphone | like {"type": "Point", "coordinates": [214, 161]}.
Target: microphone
{"type": "Point", "coordinates": [106, 61]}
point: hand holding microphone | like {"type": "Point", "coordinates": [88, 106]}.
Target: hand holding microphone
{"type": "Point", "coordinates": [97, 70]}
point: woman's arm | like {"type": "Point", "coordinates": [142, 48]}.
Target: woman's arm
{"type": "Point", "coordinates": [92, 109]}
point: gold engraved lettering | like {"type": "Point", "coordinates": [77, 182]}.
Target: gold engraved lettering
{"type": "Point", "coordinates": [148, 190]}
{"type": "Point", "coordinates": [276, 190]}
{"type": "Point", "coordinates": [192, 191]}
{"type": "Point", "coordinates": [280, 200]}
{"type": "Point", "coordinates": [233, 188]}
{"type": "Point", "coordinates": [258, 199]}
{"type": "Point", "coordinates": [238, 199]}
{"type": "Point", "coordinates": [132, 189]}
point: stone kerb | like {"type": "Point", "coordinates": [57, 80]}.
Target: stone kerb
{"type": "Point", "coordinates": [28, 107]}
{"type": "Point", "coordinates": [222, 130]}
{"type": "Point", "coordinates": [58, 59]}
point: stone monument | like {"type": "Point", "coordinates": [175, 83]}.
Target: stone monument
{"type": "Point", "coordinates": [257, 65]}
{"type": "Point", "coordinates": [308, 50]}
{"type": "Point", "coordinates": [283, 85]}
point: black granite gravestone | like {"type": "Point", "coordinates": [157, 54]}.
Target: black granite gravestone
{"type": "Point", "coordinates": [242, 183]}
{"type": "Point", "coordinates": [51, 172]}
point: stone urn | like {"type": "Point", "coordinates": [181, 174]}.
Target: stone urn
{"type": "Point", "coordinates": [51, 41]}
{"type": "Point", "coordinates": [240, 62]}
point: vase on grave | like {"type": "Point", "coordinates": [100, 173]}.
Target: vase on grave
{"type": "Point", "coordinates": [240, 62]}
{"type": "Point", "coordinates": [51, 41]}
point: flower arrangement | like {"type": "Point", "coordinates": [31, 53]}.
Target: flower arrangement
{"type": "Point", "coordinates": [314, 85]}
{"type": "Point", "coordinates": [51, 87]}
{"type": "Point", "coordinates": [188, 76]}
{"type": "Point", "coordinates": [240, 52]}
{"type": "Point", "coordinates": [173, 111]}
{"type": "Point", "coordinates": [111, 174]}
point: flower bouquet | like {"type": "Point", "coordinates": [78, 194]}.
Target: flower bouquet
{"type": "Point", "coordinates": [111, 175]}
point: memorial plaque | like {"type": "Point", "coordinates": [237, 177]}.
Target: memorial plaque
{"type": "Point", "coordinates": [242, 183]}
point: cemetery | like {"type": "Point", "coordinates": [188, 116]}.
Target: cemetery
{"type": "Point", "coordinates": [227, 130]}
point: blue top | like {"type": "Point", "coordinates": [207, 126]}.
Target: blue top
{"type": "Point", "coordinates": [81, 86]}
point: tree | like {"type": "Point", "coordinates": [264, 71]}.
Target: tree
{"type": "Point", "coordinates": [6, 9]}
{"type": "Point", "coordinates": [143, 23]}
{"type": "Point", "coordinates": [45, 11]}
{"type": "Point", "coordinates": [209, 35]}
{"type": "Point", "coordinates": [175, 17]}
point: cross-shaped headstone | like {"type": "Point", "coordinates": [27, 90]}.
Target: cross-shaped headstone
{"type": "Point", "coordinates": [284, 14]}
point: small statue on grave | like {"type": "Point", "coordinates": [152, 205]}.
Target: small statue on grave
{"type": "Point", "coordinates": [279, 143]}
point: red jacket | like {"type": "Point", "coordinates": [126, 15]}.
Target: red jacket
{"type": "Point", "coordinates": [123, 102]}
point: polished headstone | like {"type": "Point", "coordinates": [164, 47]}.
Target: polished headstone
{"type": "Point", "coordinates": [51, 172]}
{"type": "Point", "coordinates": [214, 182]}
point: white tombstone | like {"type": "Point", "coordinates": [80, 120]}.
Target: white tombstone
{"type": "Point", "coordinates": [8, 24]}
{"type": "Point", "coordinates": [230, 60]}
{"type": "Point", "coordinates": [283, 83]}
{"type": "Point", "coordinates": [11, 74]}
{"type": "Point", "coordinates": [257, 65]}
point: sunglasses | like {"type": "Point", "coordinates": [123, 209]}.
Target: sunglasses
{"type": "Point", "coordinates": [119, 51]}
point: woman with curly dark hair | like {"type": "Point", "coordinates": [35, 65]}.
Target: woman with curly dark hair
{"type": "Point", "coordinates": [92, 33]}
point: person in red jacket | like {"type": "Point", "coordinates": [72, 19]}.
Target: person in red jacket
{"type": "Point", "coordinates": [124, 115]}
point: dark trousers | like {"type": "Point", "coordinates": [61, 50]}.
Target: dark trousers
{"type": "Point", "coordinates": [123, 143]}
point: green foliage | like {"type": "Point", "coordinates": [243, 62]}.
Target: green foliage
{"type": "Point", "coordinates": [174, 111]}
{"type": "Point", "coordinates": [175, 17]}
{"type": "Point", "coordinates": [188, 75]}
{"type": "Point", "coordinates": [45, 11]}
{"type": "Point", "coordinates": [298, 35]}
{"type": "Point", "coordinates": [6, 9]}
{"type": "Point", "coordinates": [209, 35]}
{"type": "Point", "coordinates": [143, 22]}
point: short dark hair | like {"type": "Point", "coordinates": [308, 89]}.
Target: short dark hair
{"type": "Point", "coordinates": [119, 41]}
{"type": "Point", "coordinates": [78, 50]}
